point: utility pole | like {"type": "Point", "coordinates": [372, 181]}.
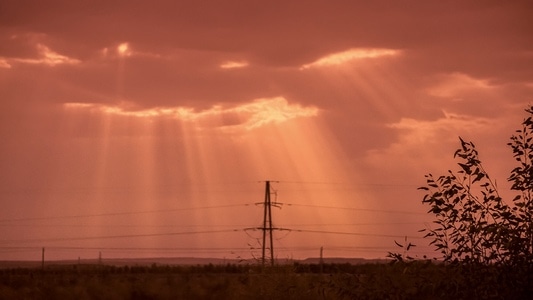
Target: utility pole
{"type": "Point", "coordinates": [42, 259]}
{"type": "Point", "coordinates": [267, 225]}
{"type": "Point", "coordinates": [321, 261]}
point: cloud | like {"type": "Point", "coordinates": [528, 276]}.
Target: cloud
{"type": "Point", "coordinates": [46, 56]}
{"type": "Point", "coordinates": [125, 49]}
{"type": "Point", "coordinates": [423, 146]}
{"type": "Point", "coordinates": [52, 58]}
{"type": "Point", "coordinates": [422, 131]}
{"type": "Point", "coordinates": [452, 85]}
{"type": "Point", "coordinates": [469, 95]}
{"type": "Point", "coordinates": [248, 116]}
{"type": "Point", "coordinates": [234, 65]}
{"type": "Point", "coordinates": [275, 110]}
{"type": "Point", "coordinates": [347, 56]}
{"type": "Point", "coordinates": [4, 64]}
{"type": "Point", "coordinates": [425, 143]}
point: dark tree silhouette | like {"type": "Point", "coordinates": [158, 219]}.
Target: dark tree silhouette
{"type": "Point", "coordinates": [473, 223]}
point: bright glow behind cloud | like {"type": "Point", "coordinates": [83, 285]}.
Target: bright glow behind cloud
{"type": "Point", "coordinates": [124, 49]}
{"type": "Point", "coordinates": [234, 65]}
{"type": "Point", "coordinates": [272, 110]}
{"type": "Point", "coordinates": [343, 57]}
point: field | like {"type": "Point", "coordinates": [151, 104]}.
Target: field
{"type": "Point", "coordinates": [415, 280]}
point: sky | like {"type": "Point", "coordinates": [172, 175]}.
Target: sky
{"type": "Point", "coordinates": [149, 128]}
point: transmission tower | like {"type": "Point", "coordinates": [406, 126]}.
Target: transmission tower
{"type": "Point", "coordinates": [267, 225]}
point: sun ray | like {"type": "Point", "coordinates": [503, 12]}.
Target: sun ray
{"type": "Point", "coordinates": [277, 142]}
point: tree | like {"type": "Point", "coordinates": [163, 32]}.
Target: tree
{"type": "Point", "coordinates": [522, 179]}
{"type": "Point", "coordinates": [473, 223]}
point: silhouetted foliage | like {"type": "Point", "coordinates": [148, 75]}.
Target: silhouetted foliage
{"type": "Point", "coordinates": [471, 217]}
{"type": "Point", "coordinates": [486, 242]}
{"type": "Point", "coordinates": [474, 224]}
{"type": "Point", "coordinates": [521, 219]}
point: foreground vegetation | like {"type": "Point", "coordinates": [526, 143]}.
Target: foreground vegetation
{"type": "Point", "coordinates": [399, 280]}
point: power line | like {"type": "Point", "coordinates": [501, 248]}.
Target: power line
{"type": "Point", "coordinates": [357, 224]}
{"type": "Point", "coordinates": [246, 226]}
{"type": "Point", "coordinates": [121, 225]}
{"type": "Point", "coordinates": [201, 184]}
{"type": "Point", "coordinates": [232, 250]}
{"type": "Point", "coordinates": [122, 213]}
{"type": "Point", "coordinates": [208, 232]}
{"type": "Point", "coordinates": [354, 233]}
{"type": "Point", "coordinates": [352, 185]}
{"type": "Point", "coordinates": [126, 248]}
{"type": "Point", "coordinates": [122, 236]}
{"type": "Point", "coordinates": [337, 232]}
{"type": "Point", "coordinates": [127, 188]}
{"type": "Point", "coordinates": [267, 227]}
{"type": "Point", "coordinates": [198, 208]}
{"type": "Point", "coordinates": [344, 183]}
{"type": "Point", "coordinates": [356, 209]}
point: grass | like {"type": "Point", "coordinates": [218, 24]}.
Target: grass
{"type": "Point", "coordinates": [413, 280]}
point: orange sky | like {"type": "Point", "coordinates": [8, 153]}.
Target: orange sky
{"type": "Point", "coordinates": [138, 129]}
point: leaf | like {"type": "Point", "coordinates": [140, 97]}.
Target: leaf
{"type": "Point", "coordinates": [462, 143]}
{"type": "Point", "coordinates": [410, 245]}
{"type": "Point", "coordinates": [479, 177]}
{"type": "Point", "coordinates": [465, 167]}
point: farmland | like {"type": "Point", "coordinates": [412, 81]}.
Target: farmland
{"type": "Point", "coordinates": [400, 280]}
